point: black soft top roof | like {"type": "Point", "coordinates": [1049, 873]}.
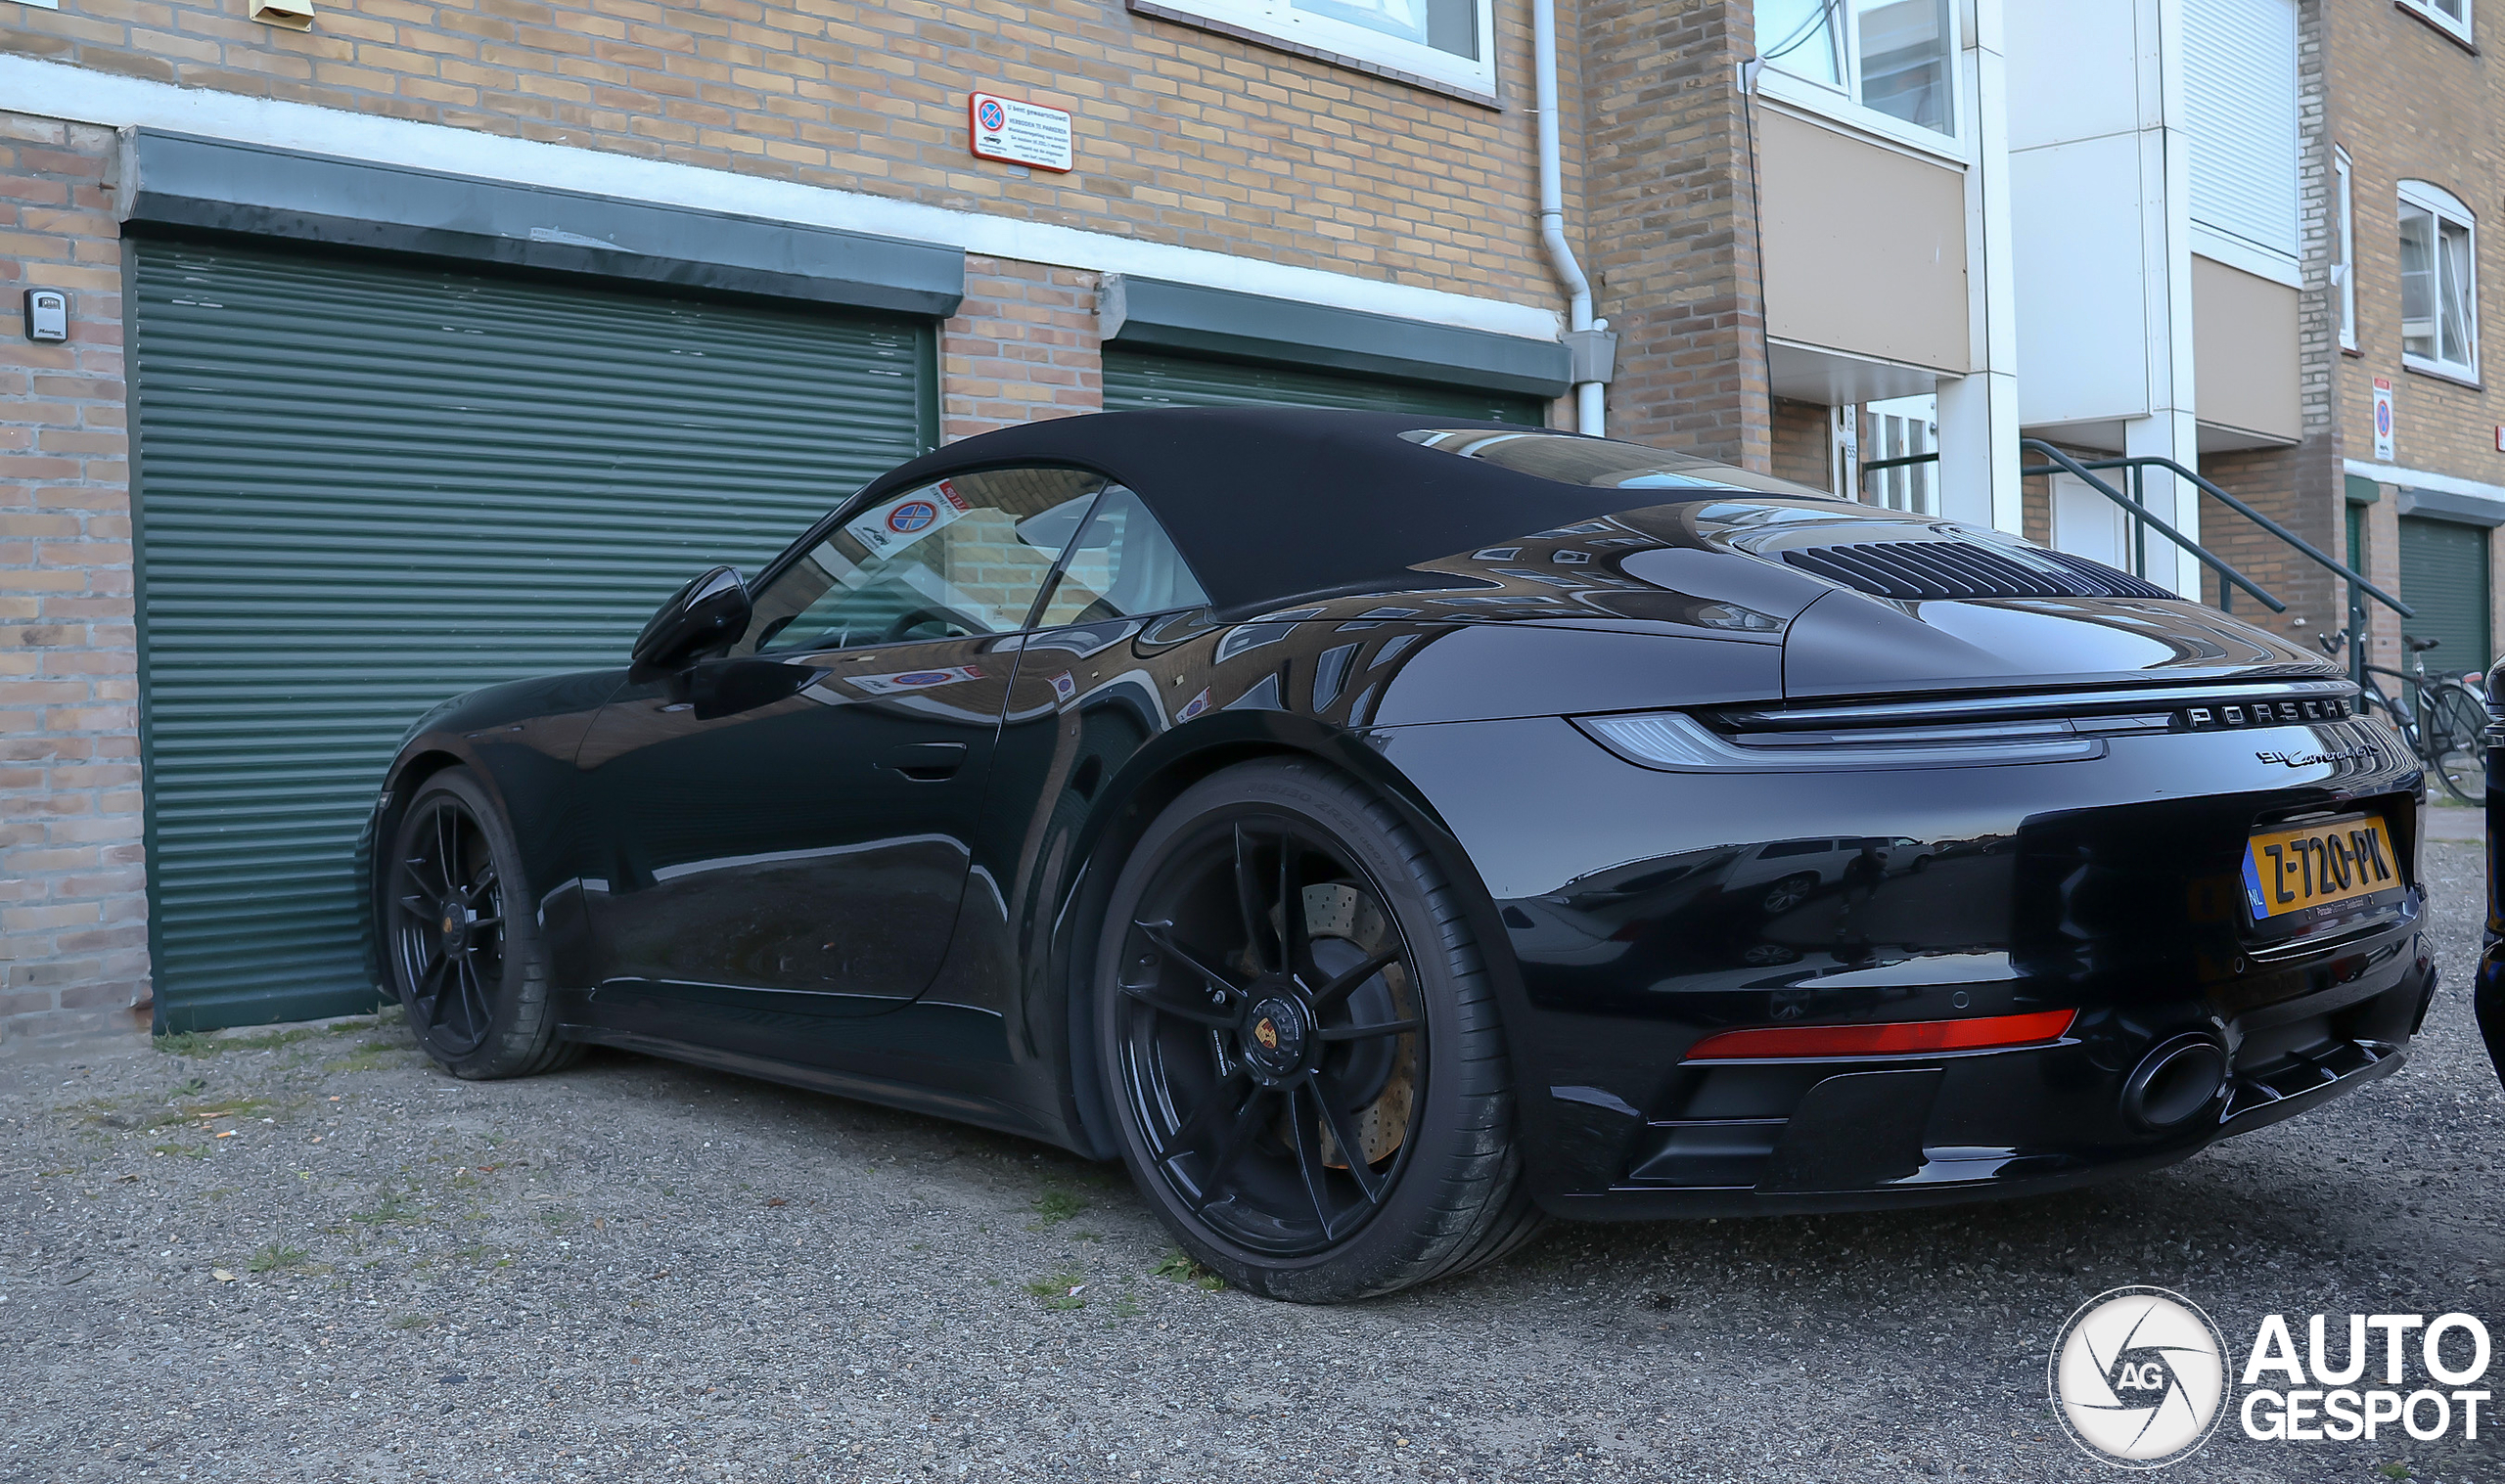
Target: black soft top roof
{"type": "Point", "coordinates": [1277, 503]}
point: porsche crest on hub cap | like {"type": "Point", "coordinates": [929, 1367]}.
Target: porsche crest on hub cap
{"type": "Point", "coordinates": [1275, 1031]}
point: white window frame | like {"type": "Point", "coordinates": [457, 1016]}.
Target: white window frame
{"type": "Point", "coordinates": [1332, 40]}
{"type": "Point", "coordinates": [2446, 24]}
{"type": "Point", "coordinates": [2344, 266]}
{"type": "Point", "coordinates": [2446, 207]}
{"type": "Point", "coordinates": [1844, 105]}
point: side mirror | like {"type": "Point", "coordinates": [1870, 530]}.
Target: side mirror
{"type": "Point", "coordinates": [711, 610]}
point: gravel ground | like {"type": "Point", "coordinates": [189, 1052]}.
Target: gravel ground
{"type": "Point", "coordinates": [307, 1255]}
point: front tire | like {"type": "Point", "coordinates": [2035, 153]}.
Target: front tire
{"type": "Point", "coordinates": [460, 937]}
{"type": "Point", "coordinates": [1300, 1046]}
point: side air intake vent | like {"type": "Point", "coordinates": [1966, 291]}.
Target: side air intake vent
{"type": "Point", "coordinates": [1964, 570]}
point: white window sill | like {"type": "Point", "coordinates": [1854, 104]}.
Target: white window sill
{"type": "Point", "coordinates": [1479, 87]}
{"type": "Point", "coordinates": [2453, 29]}
{"type": "Point", "coordinates": [1832, 106]}
{"type": "Point", "coordinates": [2459, 375]}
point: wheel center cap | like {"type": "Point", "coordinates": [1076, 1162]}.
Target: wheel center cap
{"type": "Point", "coordinates": [1275, 1033]}
{"type": "Point", "coordinates": [455, 930]}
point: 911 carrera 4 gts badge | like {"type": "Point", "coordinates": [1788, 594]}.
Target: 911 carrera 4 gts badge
{"type": "Point", "coordinates": [1267, 1033]}
{"type": "Point", "coordinates": [2308, 759]}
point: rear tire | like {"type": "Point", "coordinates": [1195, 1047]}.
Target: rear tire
{"type": "Point", "coordinates": [461, 940]}
{"type": "Point", "coordinates": [1256, 1063]}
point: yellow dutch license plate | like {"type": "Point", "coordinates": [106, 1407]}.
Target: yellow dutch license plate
{"type": "Point", "coordinates": [2315, 866]}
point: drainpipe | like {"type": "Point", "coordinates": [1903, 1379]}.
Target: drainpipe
{"type": "Point", "coordinates": [1590, 347]}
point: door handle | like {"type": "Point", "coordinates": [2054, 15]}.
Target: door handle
{"type": "Point", "coordinates": [925, 763]}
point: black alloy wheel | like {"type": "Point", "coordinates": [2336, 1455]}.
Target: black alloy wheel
{"type": "Point", "coordinates": [459, 937]}
{"type": "Point", "coordinates": [1294, 1044]}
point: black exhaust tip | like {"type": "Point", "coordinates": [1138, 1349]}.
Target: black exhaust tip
{"type": "Point", "coordinates": [2175, 1082]}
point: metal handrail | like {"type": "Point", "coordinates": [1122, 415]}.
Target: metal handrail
{"type": "Point", "coordinates": [2139, 513]}
{"type": "Point", "coordinates": [2345, 571]}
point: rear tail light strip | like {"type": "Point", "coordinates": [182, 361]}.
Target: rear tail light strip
{"type": "Point", "coordinates": [1893, 1038]}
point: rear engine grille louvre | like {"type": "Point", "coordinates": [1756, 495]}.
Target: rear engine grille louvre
{"type": "Point", "coordinates": [1963, 570]}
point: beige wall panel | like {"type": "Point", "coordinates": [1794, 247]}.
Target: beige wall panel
{"type": "Point", "coordinates": [2243, 350]}
{"type": "Point", "coordinates": [1865, 247]}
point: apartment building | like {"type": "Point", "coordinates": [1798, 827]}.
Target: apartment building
{"type": "Point", "coordinates": [1900, 229]}
{"type": "Point", "coordinates": [2229, 234]}
{"type": "Point", "coordinates": [2408, 137]}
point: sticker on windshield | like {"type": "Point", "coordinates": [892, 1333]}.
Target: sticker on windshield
{"type": "Point", "coordinates": [886, 529]}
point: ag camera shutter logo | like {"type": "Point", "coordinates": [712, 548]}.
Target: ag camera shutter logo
{"type": "Point", "coordinates": [2138, 1376]}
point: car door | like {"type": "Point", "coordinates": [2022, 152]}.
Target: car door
{"type": "Point", "coordinates": [790, 821]}
{"type": "Point", "coordinates": [1089, 692]}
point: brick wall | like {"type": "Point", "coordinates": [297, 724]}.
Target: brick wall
{"type": "Point", "coordinates": [73, 903]}
{"type": "Point", "coordinates": [2036, 508]}
{"type": "Point", "coordinates": [1022, 346]}
{"type": "Point", "coordinates": [2292, 486]}
{"type": "Point", "coordinates": [1802, 442]}
{"type": "Point", "coordinates": [1672, 223]}
{"type": "Point", "coordinates": [2410, 102]}
{"type": "Point", "coordinates": [1183, 136]}
{"type": "Point", "coordinates": [2406, 102]}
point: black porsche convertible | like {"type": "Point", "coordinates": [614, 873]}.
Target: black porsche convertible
{"type": "Point", "coordinates": [1382, 833]}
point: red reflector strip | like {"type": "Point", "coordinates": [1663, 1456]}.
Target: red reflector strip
{"type": "Point", "coordinates": [1895, 1038]}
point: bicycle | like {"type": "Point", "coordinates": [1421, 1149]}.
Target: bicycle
{"type": "Point", "coordinates": [2442, 721]}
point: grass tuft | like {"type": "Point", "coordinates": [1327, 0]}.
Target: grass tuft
{"type": "Point", "coordinates": [1054, 1207]}
{"type": "Point", "coordinates": [1060, 1291]}
{"type": "Point", "coordinates": [1182, 1269]}
{"type": "Point", "coordinates": [391, 1208]}
{"type": "Point", "coordinates": [274, 1256]}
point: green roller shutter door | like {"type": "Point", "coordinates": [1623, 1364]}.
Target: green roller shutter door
{"type": "Point", "coordinates": [364, 486]}
{"type": "Point", "coordinates": [2444, 575]}
{"type": "Point", "coordinates": [1135, 380]}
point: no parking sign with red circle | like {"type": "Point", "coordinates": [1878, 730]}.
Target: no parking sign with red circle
{"type": "Point", "coordinates": [1016, 133]}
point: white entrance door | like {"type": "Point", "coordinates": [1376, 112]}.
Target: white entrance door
{"type": "Point", "coordinates": [2088, 525]}
{"type": "Point", "coordinates": [1899, 427]}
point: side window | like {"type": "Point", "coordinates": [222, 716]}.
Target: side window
{"type": "Point", "coordinates": [2438, 281]}
{"type": "Point", "coordinates": [962, 556]}
{"type": "Point", "coordinates": [1122, 565]}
